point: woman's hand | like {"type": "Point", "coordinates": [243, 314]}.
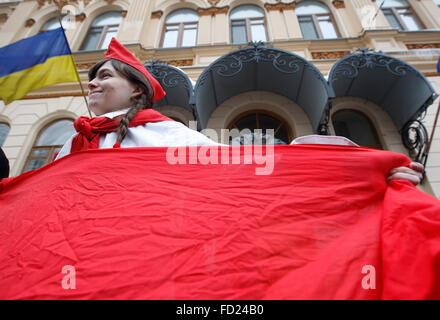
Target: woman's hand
{"type": "Point", "coordinates": [413, 174]}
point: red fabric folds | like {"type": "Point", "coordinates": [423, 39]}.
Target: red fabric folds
{"type": "Point", "coordinates": [323, 225]}
{"type": "Point", "coordinates": [89, 129]}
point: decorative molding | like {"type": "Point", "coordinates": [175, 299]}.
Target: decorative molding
{"type": "Point", "coordinates": [415, 139]}
{"type": "Point", "coordinates": [3, 17]}
{"type": "Point", "coordinates": [213, 2]}
{"type": "Point", "coordinates": [338, 4]}
{"type": "Point", "coordinates": [80, 17]}
{"type": "Point", "coordinates": [212, 11]}
{"type": "Point", "coordinates": [280, 6]}
{"type": "Point", "coordinates": [329, 54]}
{"type": "Point", "coordinates": [156, 14]}
{"type": "Point", "coordinates": [58, 3]}
{"type": "Point", "coordinates": [167, 76]}
{"type": "Point", "coordinates": [29, 23]}
{"type": "Point", "coordinates": [109, 1]}
{"type": "Point", "coordinates": [350, 67]}
{"type": "Point", "coordinates": [422, 46]}
{"type": "Point", "coordinates": [180, 63]}
{"type": "Point", "coordinates": [233, 63]}
{"type": "Point", "coordinates": [61, 3]}
{"type": "Point", "coordinates": [85, 66]}
{"type": "Point", "coordinates": [430, 74]}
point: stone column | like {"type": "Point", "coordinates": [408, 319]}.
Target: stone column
{"type": "Point", "coordinates": [136, 21]}
{"type": "Point", "coordinates": [365, 12]}
{"type": "Point", "coordinates": [213, 25]}
{"type": "Point", "coordinates": [282, 21]}
{"type": "Point", "coordinates": [292, 24]}
{"type": "Point", "coordinates": [151, 31]}
{"type": "Point", "coordinates": [221, 26]}
{"type": "Point", "coordinates": [428, 12]}
{"type": "Point", "coordinates": [204, 30]}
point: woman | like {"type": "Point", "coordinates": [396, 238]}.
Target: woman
{"type": "Point", "coordinates": [121, 93]}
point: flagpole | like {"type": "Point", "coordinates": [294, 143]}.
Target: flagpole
{"type": "Point", "coordinates": [76, 70]}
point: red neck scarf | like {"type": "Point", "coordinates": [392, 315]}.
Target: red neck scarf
{"type": "Point", "coordinates": [89, 130]}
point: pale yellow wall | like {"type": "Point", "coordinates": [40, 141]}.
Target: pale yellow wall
{"type": "Point", "coordinates": [433, 163]}
{"type": "Point", "coordinates": [12, 29]}
{"type": "Point", "coordinates": [28, 117]}
{"type": "Point", "coordinates": [427, 11]}
{"type": "Point", "coordinates": [134, 22]}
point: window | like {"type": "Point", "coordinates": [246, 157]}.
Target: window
{"type": "Point", "coordinates": [54, 24]}
{"type": "Point", "coordinates": [180, 29]}
{"type": "Point", "coordinates": [4, 130]}
{"type": "Point", "coordinates": [49, 142]}
{"type": "Point", "coordinates": [356, 127]}
{"type": "Point", "coordinates": [315, 20]}
{"type": "Point", "coordinates": [247, 24]}
{"type": "Point", "coordinates": [103, 28]}
{"type": "Point", "coordinates": [259, 120]}
{"type": "Point", "coordinates": [437, 2]}
{"type": "Point", "coordinates": [400, 15]}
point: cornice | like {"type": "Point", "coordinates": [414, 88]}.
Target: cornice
{"type": "Point", "coordinates": [212, 11]}
{"type": "Point", "coordinates": [156, 14]}
{"type": "Point", "coordinates": [339, 4]}
{"type": "Point", "coordinates": [280, 6]}
{"type": "Point", "coordinates": [61, 3]}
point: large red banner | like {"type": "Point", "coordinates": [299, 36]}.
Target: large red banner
{"type": "Point", "coordinates": [140, 223]}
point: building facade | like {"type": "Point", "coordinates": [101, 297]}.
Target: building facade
{"type": "Point", "coordinates": [365, 69]}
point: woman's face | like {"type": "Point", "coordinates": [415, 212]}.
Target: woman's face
{"type": "Point", "coordinates": [109, 91]}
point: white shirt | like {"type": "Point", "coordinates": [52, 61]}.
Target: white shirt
{"type": "Point", "coordinates": [151, 134]}
{"type": "Point", "coordinates": [176, 134]}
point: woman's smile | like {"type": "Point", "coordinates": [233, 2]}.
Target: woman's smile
{"type": "Point", "coordinates": [109, 91]}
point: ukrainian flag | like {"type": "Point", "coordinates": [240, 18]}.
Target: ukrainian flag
{"type": "Point", "coordinates": [35, 62]}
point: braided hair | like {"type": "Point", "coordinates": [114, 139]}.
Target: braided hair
{"type": "Point", "coordinates": [140, 102]}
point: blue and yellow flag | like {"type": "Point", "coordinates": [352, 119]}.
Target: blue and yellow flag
{"type": "Point", "coordinates": [35, 62]}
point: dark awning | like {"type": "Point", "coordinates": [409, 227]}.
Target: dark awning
{"type": "Point", "coordinates": [394, 85]}
{"type": "Point", "coordinates": [174, 81]}
{"type": "Point", "coordinates": [259, 68]}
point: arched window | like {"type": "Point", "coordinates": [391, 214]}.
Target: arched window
{"type": "Point", "coordinates": [315, 20]}
{"type": "Point", "coordinates": [247, 24]}
{"type": "Point", "coordinates": [4, 130]}
{"type": "Point", "coordinates": [400, 15]}
{"type": "Point", "coordinates": [103, 28]}
{"type": "Point", "coordinates": [259, 120]}
{"type": "Point", "coordinates": [50, 141]}
{"type": "Point", "coordinates": [180, 29]}
{"type": "Point", "coordinates": [54, 23]}
{"type": "Point", "coordinates": [356, 127]}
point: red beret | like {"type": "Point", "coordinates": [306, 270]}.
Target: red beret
{"type": "Point", "coordinates": [118, 52]}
